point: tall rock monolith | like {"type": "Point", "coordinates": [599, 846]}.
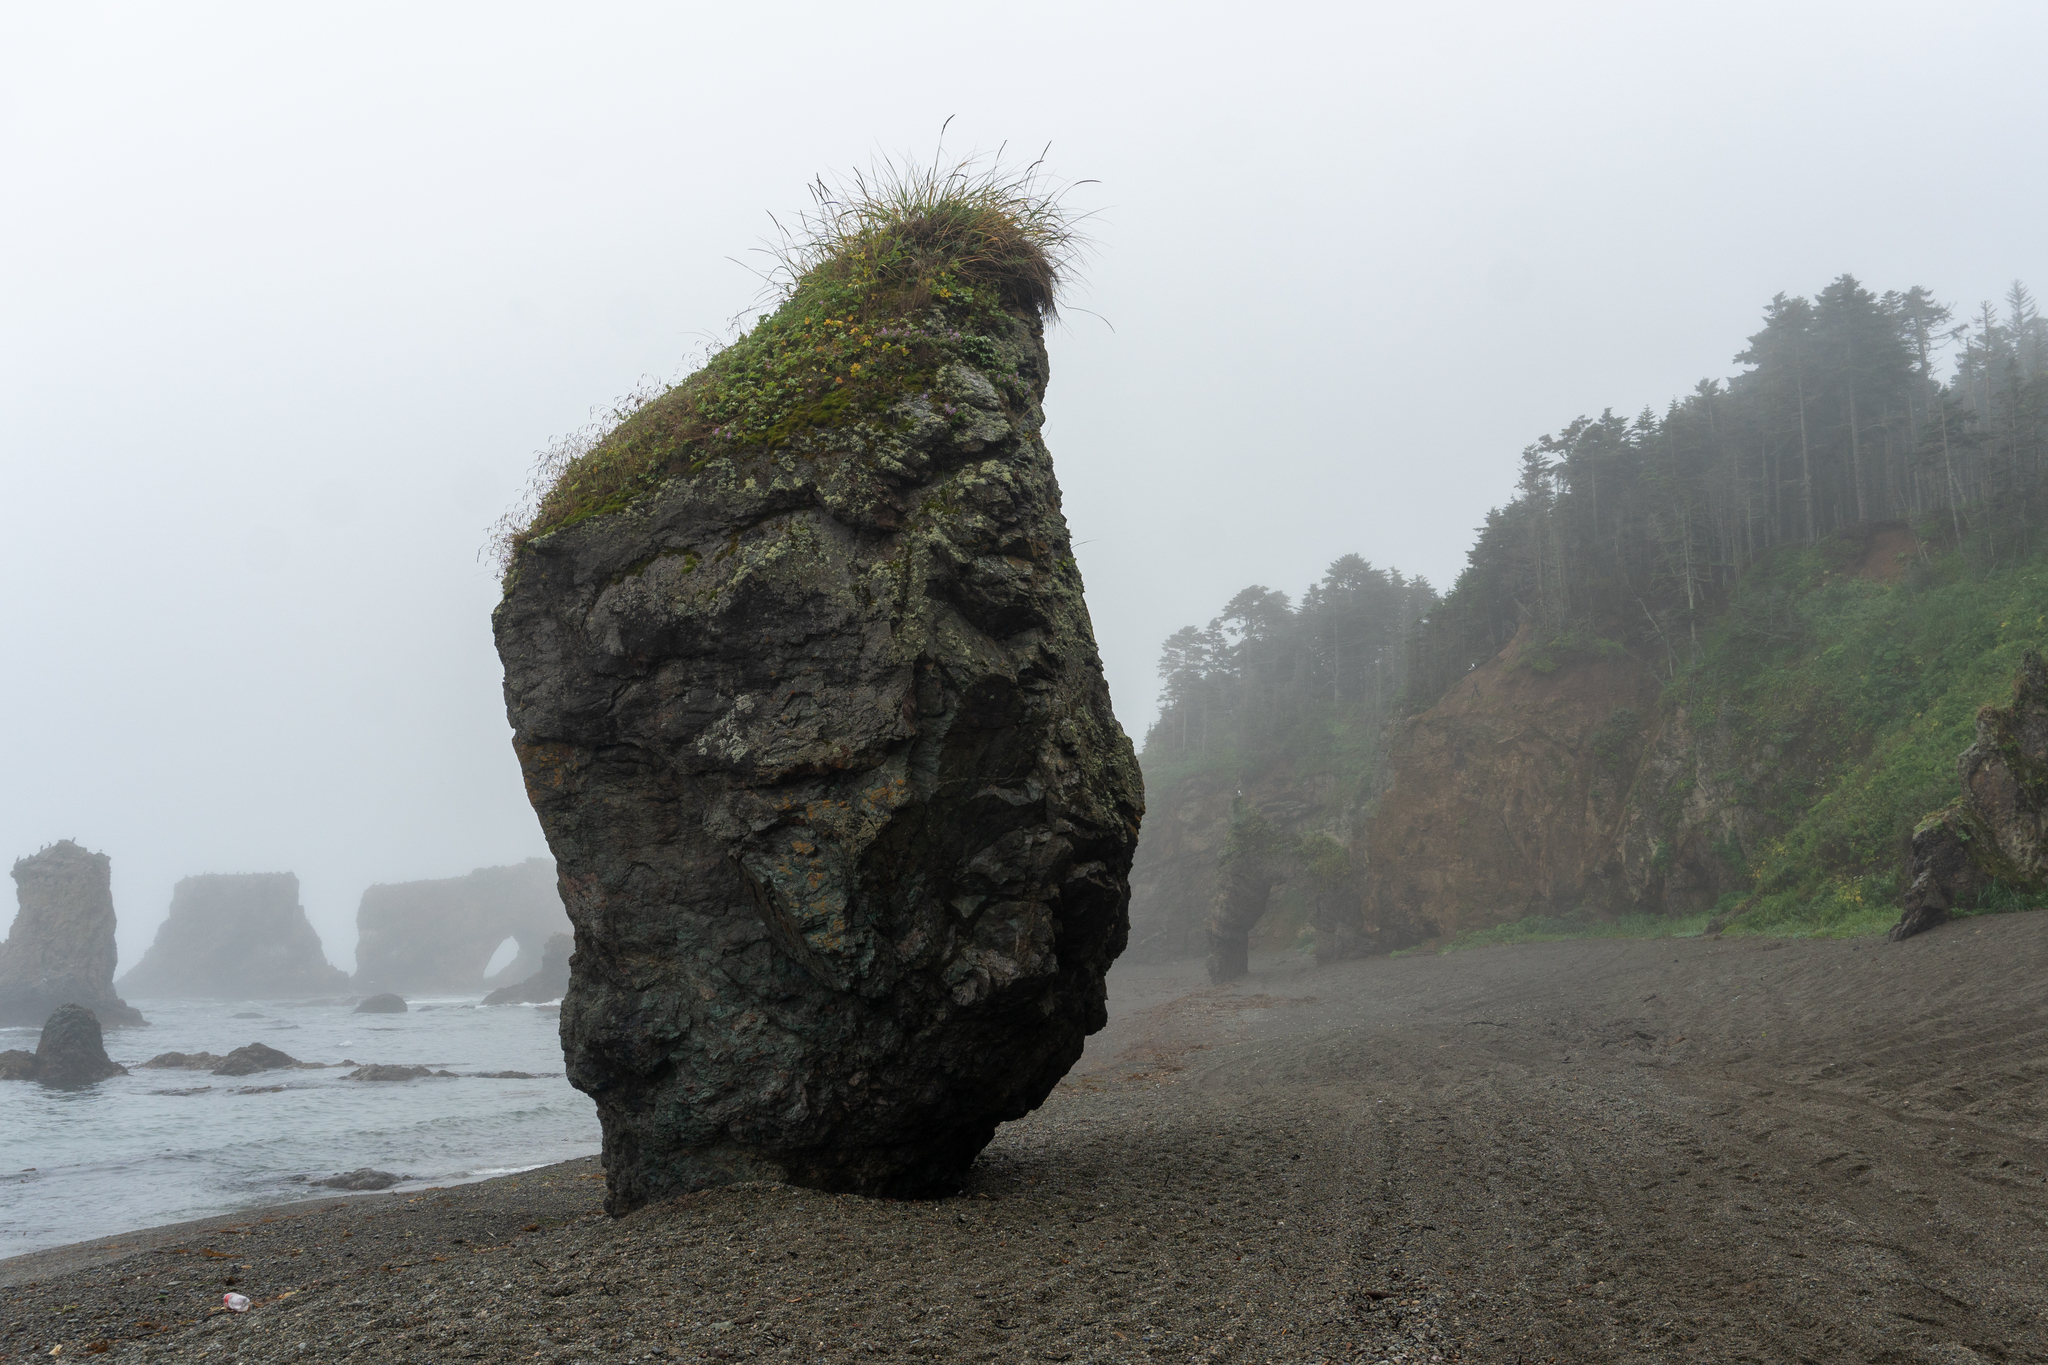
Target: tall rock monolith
{"type": "Point", "coordinates": [61, 948]}
{"type": "Point", "coordinates": [235, 936]}
{"type": "Point", "coordinates": [809, 705]}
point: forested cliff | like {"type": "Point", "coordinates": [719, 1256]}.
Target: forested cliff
{"type": "Point", "coordinates": [1720, 657]}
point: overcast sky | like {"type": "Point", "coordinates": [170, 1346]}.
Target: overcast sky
{"type": "Point", "coordinates": [290, 295]}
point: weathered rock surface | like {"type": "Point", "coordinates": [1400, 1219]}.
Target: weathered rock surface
{"type": "Point", "coordinates": [436, 937]}
{"type": "Point", "coordinates": [819, 737]}
{"type": "Point", "coordinates": [1997, 830]}
{"type": "Point", "coordinates": [61, 947]}
{"type": "Point", "coordinates": [235, 936]}
{"type": "Point", "coordinates": [381, 1004]}
{"type": "Point", "coordinates": [17, 1065]}
{"type": "Point", "coordinates": [551, 982]}
{"type": "Point", "coordinates": [72, 1051]}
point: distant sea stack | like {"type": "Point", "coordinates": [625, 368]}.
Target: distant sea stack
{"type": "Point", "coordinates": [61, 948]}
{"type": "Point", "coordinates": [809, 705]}
{"type": "Point", "coordinates": [436, 937]}
{"type": "Point", "coordinates": [235, 936]}
{"type": "Point", "coordinates": [551, 982]}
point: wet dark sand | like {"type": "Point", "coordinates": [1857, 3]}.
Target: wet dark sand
{"type": "Point", "coordinates": [1731, 1150]}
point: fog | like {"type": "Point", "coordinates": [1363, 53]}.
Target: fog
{"type": "Point", "coordinates": [291, 300]}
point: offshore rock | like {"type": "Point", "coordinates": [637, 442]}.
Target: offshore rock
{"type": "Point", "coordinates": [819, 736]}
{"type": "Point", "coordinates": [551, 982]}
{"type": "Point", "coordinates": [183, 1061]}
{"type": "Point", "coordinates": [235, 936]}
{"type": "Point", "coordinates": [436, 937]}
{"type": "Point", "coordinates": [386, 1072]}
{"type": "Point", "coordinates": [1996, 832]}
{"type": "Point", "coordinates": [381, 1004]}
{"type": "Point", "coordinates": [72, 1051]}
{"type": "Point", "coordinates": [61, 948]}
{"type": "Point", "coordinates": [247, 1061]}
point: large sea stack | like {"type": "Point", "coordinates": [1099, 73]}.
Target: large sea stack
{"type": "Point", "coordinates": [61, 948]}
{"type": "Point", "coordinates": [421, 938]}
{"type": "Point", "coordinates": [551, 982]}
{"type": "Point", "coordinates": [235, 936]}
{"type": "Point", "coordinates": [809, 705]}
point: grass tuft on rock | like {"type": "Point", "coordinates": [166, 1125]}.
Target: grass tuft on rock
{"type": "Point", "coordinates": [880, 284]}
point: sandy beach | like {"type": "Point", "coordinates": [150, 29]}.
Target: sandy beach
{"type": "Point", "coordinates": [1627, 1151]}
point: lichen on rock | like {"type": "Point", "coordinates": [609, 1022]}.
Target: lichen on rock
{"type": "Point", "coordinates": [814, 722]}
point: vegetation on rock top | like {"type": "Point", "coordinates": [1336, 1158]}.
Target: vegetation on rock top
{"type": "Point", "coordinates": [880, 286]}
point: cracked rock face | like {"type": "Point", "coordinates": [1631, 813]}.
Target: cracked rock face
{"type": "Point", "coordinates": [61, 947]}
{"type": "Point", "coordinates": [820, 740]}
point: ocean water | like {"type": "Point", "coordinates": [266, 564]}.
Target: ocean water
{"type": "Point", "coordinates": [133, 1152]}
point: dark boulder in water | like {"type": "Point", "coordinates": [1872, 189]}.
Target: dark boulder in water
{"type": "Point", "coordinates": [382, 1004]}
{"type": "Point", "coordinates": [247, 1061]}
{"type": "Point", "coordinates": [385, 1072]}
{"type": "Point", "coordinates": [61, 947]}
{"type": "Point", "coordinates": [17, 1065]}
{"type": "Point", "coordinates": [72, 1051]}
{"type": "Point", "coordinates": [814, 722]}
{"type": "Point", "coordinates": [551, 982]}
{"type": "Point", "coordinates": [235, 936]}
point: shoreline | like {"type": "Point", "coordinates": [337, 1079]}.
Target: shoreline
{"type": "Point", "coordinates": [1590, 1151]}
{"type": "Point", "coordinates": [50, 1262]}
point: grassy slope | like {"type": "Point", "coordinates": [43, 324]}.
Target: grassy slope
{"type": "Point", "coordinates": [1882, 690]}
{"type": "Point", "coordinates": [1868, 692]}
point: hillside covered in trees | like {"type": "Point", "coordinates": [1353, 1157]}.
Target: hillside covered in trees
{"type": "Point", "coordinates": [1870, 484]}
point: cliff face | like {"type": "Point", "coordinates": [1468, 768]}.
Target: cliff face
{"type": "Point", "coordinates": [820, 739]}
{"type": "Point", "coordinates": [61, 948]}
{"type": "Point", "coordinates": [1498, 803]}
{"type": "Point", "coordinates": [437, 936]}
{"type": "Point", "coordinates": [235, 936]}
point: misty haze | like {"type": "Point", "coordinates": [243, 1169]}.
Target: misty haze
{"type": "Point", "coordinates": [1114, 685]}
